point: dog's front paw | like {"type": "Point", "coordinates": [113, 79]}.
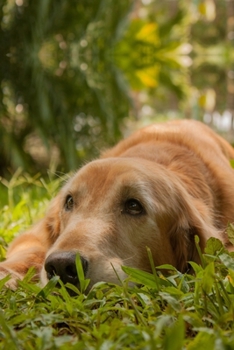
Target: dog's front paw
{"type": "Point", "coordinates": [14, 277]}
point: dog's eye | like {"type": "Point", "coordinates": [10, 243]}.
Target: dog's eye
{"type": "Point", "coordinates": [133, 207]}
{"type": "Point", "coordinates": [69, 203]}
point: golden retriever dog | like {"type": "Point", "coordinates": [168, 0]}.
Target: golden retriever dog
{"type": "Point", "coordinates": [158, 188]}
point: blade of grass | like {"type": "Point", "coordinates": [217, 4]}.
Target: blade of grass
{"type": "Point", "coordinates": [44, 292]}
{"type": "Point", "coordinates": [80, 272]}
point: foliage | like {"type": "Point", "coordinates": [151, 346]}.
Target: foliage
{"type": "Point", "coordinates": [156, 54]}
{"type": "Point", "coordinates": [71, 73]}
{"type": "Point", "coordinates": [163, 310]}
{"type": "Point", "coordinates": [23, 199]}
{"type": "Point", "coordinates": [59, 93]}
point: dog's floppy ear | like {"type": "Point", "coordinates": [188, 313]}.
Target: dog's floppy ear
{"type": "Point", "coordinates": [191, 217]}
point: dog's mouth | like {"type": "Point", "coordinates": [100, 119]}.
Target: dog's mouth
{"type": "Point", "coordinates": [67, 266]}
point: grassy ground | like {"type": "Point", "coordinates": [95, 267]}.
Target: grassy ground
{"type": "Point", "coordinates": [180, 311]}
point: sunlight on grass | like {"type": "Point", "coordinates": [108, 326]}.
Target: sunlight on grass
{"type": "Point", "coordinates": [24, 200]}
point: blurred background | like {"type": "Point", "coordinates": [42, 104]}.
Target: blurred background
{"type": "Point", "coordinates": [76, 76]}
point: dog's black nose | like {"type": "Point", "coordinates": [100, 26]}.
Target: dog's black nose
{"type": "Point", "coordinates": [63, 264]}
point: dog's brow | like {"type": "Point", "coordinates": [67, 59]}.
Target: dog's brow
{"type": "Point", "coordinates": [139, 189]}
{"type": "Point", "coordinates": [75, 187]}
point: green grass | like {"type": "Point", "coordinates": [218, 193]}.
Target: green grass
{"type": "Point", "coordinates": [171, 311]}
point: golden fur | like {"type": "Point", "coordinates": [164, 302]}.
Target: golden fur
{"type": "Point", "coordinates": [180, 175]}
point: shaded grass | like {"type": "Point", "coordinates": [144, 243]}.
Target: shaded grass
{"type": "Point", "coordinates": [162, 311]}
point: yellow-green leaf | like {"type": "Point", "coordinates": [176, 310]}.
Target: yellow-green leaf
{"type": "Point", "coordinates": [230, 233]}
{"type": "Point", "coordinates": [149, 33]}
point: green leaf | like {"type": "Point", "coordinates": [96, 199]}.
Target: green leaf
{"type": "Point", "coordinates": [29, 287]}
{"type": "Point", "coordinates": [208, 278]}
{"type": "Point", "coordinates": [201, 256]}
{"type": "Point", "coordinates": [213, 246]}
{"type": "Point", "coordinates": [231, 278]}
{"type": "Point", "coordinates": [13, 342]}
{"type": "Point", "coordinates": [171, 300]}
{"type": "Point", "coordinates": [73, 288]}
{"type": "Point", "coordinates": [29, 275]}
{"type": "Point", "coordinates": [80, 272]}
{"type": "Point", "coordinates": [44, 292]}
{"type": "Point", "coordinates": [174, 291]}
{"type": "Point", "coordinates": [232, 163]}
{"type": "Point", "coordinates": [174, 339]}
{"type": "Point", "coordinates": [166, 267]}
{"type": "Point", "coordinates": [151, 259]}
{"type": "Point", "coordinates": [4, 280]}
{"type": "Point", "coordinates": [2, 252]}
{"type": "Point", "coordinates": [161, 324]}
{"type": "Point", "coordinates": [193, 319]}
{"type": "Point", "coordinates": [196, 268]}
{"type": "Point", "coordinates": [202, 341]}
{"type": "Point", "coordinates": [227, 261]}
{"type": "Point", "coordinates": [141, 277]}
{"type": "Point", "coordinates": [230, 233]}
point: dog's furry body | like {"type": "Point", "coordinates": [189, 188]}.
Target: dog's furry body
{"type": "Point", "coordinates": [158, 188]}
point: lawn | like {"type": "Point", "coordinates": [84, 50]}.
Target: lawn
{"type": "Point", "coordinates": [163, 311]}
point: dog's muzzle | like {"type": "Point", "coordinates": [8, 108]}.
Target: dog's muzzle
{"type": "Point", "coordinates": [63, 264]}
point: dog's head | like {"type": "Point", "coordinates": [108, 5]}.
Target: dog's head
{"type": "Point", "coordinates": [112, 209]}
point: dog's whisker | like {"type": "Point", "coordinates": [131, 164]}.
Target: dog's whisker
{"type": "Point", "coordinates": [129, 258]}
